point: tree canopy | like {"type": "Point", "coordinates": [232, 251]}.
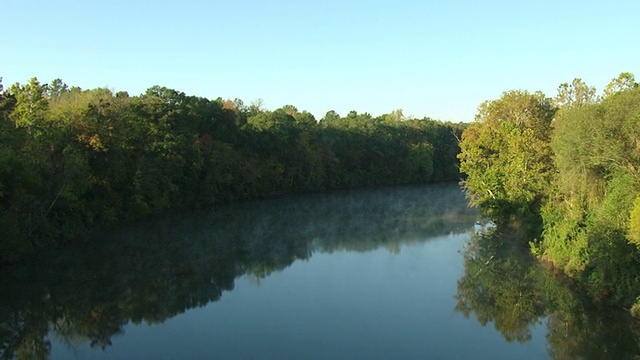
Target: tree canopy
{"type": "Point", "coordinates": [506, 154]}
{"type": "Point", "coordinates": [74, 159]}
{"type": "Point", "coordinates": [573, 162]}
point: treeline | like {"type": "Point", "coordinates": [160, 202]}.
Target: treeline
{"type": "Point", "coordinates": [568, 168]}
{"type": "Point", "coordinates": [73, 159]}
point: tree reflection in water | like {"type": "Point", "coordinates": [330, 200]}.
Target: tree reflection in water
{"type": "Point", "coordinates": [504, 285]}
{"type": "Point", "coordinates": [155, 270]}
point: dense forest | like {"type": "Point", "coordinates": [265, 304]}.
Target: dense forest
{"type": "Point", "coordinates": [72, 160]}
{"type": "Point", "coordinates": [566, 171]}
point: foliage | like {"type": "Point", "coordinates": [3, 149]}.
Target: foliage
{"type": "Point", "coordinates": [634, 223]}
{"type": "Point", "coordinates": [583, 183]}
{"type": "Point", "coordinates": [506, 155]}
{"type": "Point", "coordinates": [576, 94]}
{"type": "Point", "coordinates": [591, 233]}
{"type": "Point", "coordinates": [73, 159]}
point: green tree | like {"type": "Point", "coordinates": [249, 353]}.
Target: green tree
{"type": "Point", "coordinates": [506, 154]}
{"type": "Point", "coordinates": [576, 94]}
{"type": "Point", "coordinates": [588, 225]}
{"type": "Point", "coordinates": [624, 81]}
{"type": "Point", "coordinates": [634, 223]}
{"type": "Point", "coordinates": [256, 107]}
{"type": "Point", "coordinates": [395, 115]}
{"type": "Point", "coordinates": [270, 120]}
{"type": "Point", "coordinates": [421, 162]}
{"type": "Point", "coordinates": [57, 88]}
{"type": "Point", "coordinates": [305, 118]}
{"type": "Point", "coordinates": [329, 117]}
{"type": "Point", "coordinates": [290, 110]}
{"type": "Point", "coordinates": [31, 105]}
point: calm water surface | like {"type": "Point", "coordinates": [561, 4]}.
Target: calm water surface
{"type": "Point", "coordinates": [402, 273]}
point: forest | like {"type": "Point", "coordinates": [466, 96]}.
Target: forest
{"type": "Point", "coordinates": [565, 172]}
{"type": "Point", "coordinates": [74, 160]}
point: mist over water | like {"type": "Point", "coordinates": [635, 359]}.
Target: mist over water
{"type": "Point", "coordinates": [373, 273]}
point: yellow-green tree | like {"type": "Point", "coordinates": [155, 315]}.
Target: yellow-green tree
{"type": "Point", "coordinates": [506, 155]}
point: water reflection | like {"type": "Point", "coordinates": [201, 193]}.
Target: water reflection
{"type": "Point", "coordinates": [503, 285]}
{"type": "Point", "coordinates": [153, 271]}
{"type": "Point", "coordinates": [156, 270]}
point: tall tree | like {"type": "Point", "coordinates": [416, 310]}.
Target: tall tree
{"type": "Point", "coordinates": [624, 81]}
{"type": "Point", "coordinates": [506, 154]}
{"type": "Point", "coordinates": [576, 94]}
{"type": "Point", "coordinates": [329, 117]}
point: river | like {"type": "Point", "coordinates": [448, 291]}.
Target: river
{"type": "Point", "coordinates": [402, 273]}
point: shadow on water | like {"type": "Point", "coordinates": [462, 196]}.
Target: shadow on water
{"type": "Point", "coordinates": [505, 286]}
{"type": "Point", "coordinates": [157, 269]}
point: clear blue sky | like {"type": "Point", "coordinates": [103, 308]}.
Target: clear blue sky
{"type": "Point", "coordinates": [439, 59]}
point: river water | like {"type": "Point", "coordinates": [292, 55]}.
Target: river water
{"type": "Point", "coordinates": [390, 273]}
